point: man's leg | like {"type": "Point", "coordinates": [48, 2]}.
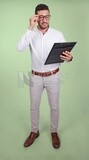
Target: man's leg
{"type": "Point", "coordinates": [36, 88]}
{"type": "Point", "coordinates": [52, 87]}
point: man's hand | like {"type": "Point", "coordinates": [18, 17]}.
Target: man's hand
{"type": "Point", "coordinates": [66, 56]}
{"type": "Point", "coordinates": [33, 21]}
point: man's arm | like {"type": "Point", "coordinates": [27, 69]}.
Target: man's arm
{"type": "Point", "coordinates": [66, 56]}
{"type": "Point", "coordinates": [25, 40]}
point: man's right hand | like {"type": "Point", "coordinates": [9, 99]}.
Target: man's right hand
{"type": "Point", "coordinates": [33, 21]}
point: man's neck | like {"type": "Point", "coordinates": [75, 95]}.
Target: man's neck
{"type": "Point", "coordinates": [43, 30]}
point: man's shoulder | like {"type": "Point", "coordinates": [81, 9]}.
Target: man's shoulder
{"type": "Point", "coordinates": [55, 31]}
{"type": "Point", "coordinates": [58, 34]}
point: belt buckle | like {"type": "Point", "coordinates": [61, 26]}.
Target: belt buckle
{"type": "Point", "coordinates": [45, 74]}
{"type": "Point", "coordinates": [42, 74]}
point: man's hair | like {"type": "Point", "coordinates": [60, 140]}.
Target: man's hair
{"type": "Point", "coordinates": [40, 7]}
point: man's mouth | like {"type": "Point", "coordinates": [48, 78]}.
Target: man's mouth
{"type": "Point", "coordinates": [44, 23]}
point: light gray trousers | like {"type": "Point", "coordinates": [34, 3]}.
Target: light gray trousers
{"type": "Point", "coordinates": [36, 87]}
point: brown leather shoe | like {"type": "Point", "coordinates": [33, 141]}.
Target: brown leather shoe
{"type": "Point", "coordinates": [55, 140]}
{"type": "Point", "coordinates": [31, 139]}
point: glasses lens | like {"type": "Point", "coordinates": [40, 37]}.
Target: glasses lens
{"type": "Point", "coordinates": [47, 17]}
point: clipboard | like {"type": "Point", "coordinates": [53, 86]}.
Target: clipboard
{"type": "Point", "coordinates": [57, 49]}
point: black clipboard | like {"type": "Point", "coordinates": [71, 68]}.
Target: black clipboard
{"type": "Point", "coordinates": [57, 49]}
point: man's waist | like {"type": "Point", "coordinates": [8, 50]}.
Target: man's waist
{"type": "Point", "coordinates": [45, 74]}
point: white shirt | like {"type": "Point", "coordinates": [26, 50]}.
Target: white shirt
{"type": "Point", "coordinates": [40, 45]}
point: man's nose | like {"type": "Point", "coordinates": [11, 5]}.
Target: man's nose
{"type": "Point", "coordinates": [45, 20]}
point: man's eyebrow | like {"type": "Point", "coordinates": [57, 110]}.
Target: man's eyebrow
{"type": "Point", "coordinates": [45, 15]}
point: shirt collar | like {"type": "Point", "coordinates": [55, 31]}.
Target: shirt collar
{"type": "Point", "coordinates": [40, 31]}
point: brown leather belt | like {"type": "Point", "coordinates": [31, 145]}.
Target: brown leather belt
{"type": "Point", "coordinates": [45, 74]}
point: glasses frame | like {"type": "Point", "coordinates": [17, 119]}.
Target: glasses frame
{"type": "Point", "coordinates": [47, 17]}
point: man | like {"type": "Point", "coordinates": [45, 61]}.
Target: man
{"type": "Point", "coordinates": [40, 38]}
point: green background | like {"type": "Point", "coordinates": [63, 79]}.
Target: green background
{"type": "Point", "coordinates": [72, 18]}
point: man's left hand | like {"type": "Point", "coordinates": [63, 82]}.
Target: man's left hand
{"type": "Point", "coordinates": [66, 56]}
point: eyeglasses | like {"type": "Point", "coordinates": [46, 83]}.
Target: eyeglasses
{"type": "Point", "coordinates": [47, 17]}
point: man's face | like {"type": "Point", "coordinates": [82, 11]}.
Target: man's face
{"type": "Point", "coordinates": [43, 20]}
